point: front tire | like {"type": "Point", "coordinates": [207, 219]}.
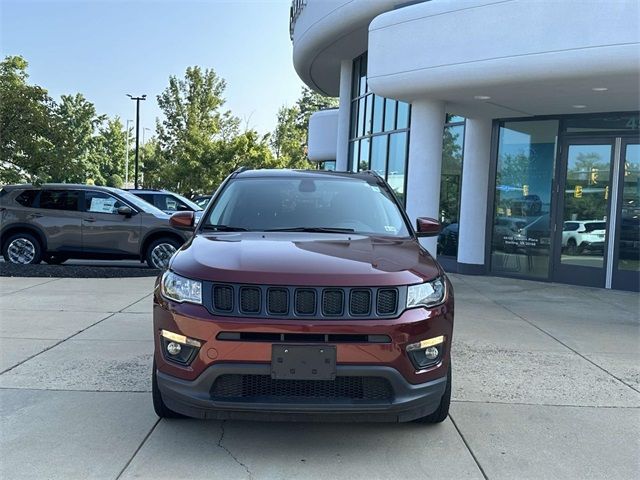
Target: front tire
{"type": "Point", "coordinates": [160, 252]}
{"type": "Point", "coordinates": [159, 406]}
{"type": "Point", "coordinates": [22, 249]}
{"type": "Point", "coordinates": [443, 409]}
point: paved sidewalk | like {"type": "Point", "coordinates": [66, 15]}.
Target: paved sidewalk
{"type": "Point", "coordinates": [546, 385]}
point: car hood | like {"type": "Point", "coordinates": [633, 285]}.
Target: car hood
{"type": "Point", "coordinates": [305, 259]}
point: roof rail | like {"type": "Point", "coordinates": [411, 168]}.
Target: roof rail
{"type": "Point", "coordinates": [372, 172]}
{"type": "Point", "coordinates": [239, 170]}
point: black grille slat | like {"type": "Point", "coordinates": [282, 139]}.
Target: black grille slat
{"type": "Point", "coordinates": [277, 301]}
{"type": "Point", "coordinates": [387, 302]}
{"type": "Point", "coordinates": [223, 298]}
{"type": "Point", "coordinates": [332, 302]}
{"type": "Point", "coordinates": [263, 388]}
{"type": "Point", "coordinates": [250, 300]}
{"type": "Point", "coordinates": [305, 303]}
{"type": "Point", "coordinates": [360, 302]}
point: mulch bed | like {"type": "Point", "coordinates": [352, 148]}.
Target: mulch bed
{"type": "Point", "coordinates": [74, 271]}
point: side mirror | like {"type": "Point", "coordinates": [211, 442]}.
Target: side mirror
{"type": "Point", "coordinates": [182, 220]}
{"type": "Point", "coordinates": [427, 227]}
{"type": "Point", "coordinates": [126, 211]}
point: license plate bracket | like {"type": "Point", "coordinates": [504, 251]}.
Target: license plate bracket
{"type": "Point", "coordinates": [303, 362]}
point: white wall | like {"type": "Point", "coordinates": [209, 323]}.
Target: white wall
{"type": "Point", "coordinates": [323, 135]}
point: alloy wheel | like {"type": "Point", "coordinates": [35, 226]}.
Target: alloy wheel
{"type": "Point", "coordinates": [161, 254]}
{"type": "Point", "coordinates": [22, 251]}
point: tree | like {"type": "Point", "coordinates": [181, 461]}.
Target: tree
{"type": "Point", "coordinates": [25, 125]}
{"type": "Point", "coordinates": [289, 138]}
{"type": "Point", "coordinates": [76, 145]}
{"type": "Point", "coordinates": [110, 152]}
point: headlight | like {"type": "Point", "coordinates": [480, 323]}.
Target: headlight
{"type": "Point", "coordinates": [180, 289]}
{"type": "Point", "coordinates": [428, 294]}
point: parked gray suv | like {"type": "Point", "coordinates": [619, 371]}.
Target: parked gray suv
{"type": "Point", "coordinates": [55, 222]}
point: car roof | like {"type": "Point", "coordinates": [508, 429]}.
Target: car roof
{"type": "Point", "coordinates": [145, 190]}
{"type": "Point", "coordinates": [79, 186]}
{"type": "Point", "coordinates": [287, 173]}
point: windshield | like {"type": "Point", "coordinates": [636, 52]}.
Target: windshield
{"type": "Point", "coordinates": [139, 203]}
{"type": "Point", "coordinates": [316, 204]}
{"type": "Point", "coordinates": [194, 206]}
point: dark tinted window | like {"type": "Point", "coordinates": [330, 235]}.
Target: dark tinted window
{"type": "Point", "coordinates": [571, 226]}
{"type": "Point", "coordinates": [27, 198]}
{"type": "Point", "coordinates": [169, 202]}
{"type": "Point", "coordinates": [59, 199]}
{"type": "Point", "coordinates": [590, 227]}
{"type": "Point", "coordinates": [147, 197]}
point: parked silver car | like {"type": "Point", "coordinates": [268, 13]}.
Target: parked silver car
{"type": "Point", "coordinates": [55, 222]}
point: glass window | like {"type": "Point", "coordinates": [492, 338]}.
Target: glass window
{"type": "Point", "coordinates": [629, 244]}
{"type": "Point", "coordinates": [353, 155]}
{"type": "Point", "coordinates": [363, 75]}
{"type": "Point", "coordinates": [379, 154]}
{"type": "Point", "coordinates": [263, 204]}
{"type": "Point", "coordinates": [59, 199]}
{"type": "Point", "coordinates": [602, 123]}
{"type": "Point", "coordinates": [171, 203]}
{"type": "Point", "coordinates": [397, 162]}
{"type": "Point", "coordinates": [403, 115]}
{"type": "Point", "coordinates": [27, 198]}
{"type": "Point", "coordinates": [521, 237]}
{"type": "Point", "coordinates": [369, 115]}
{"type": "Point", "coordinates": [450, 182]}
{"type": "Point", "coordinates": [99, 202]}
{"type": "Point", "coordinates": [363, 163]}
{"type": "Point", "coordinates": [389, 114]}
{"type": "Point", "coordinates": [378, 111]}
{"type": "Point", "coordinates": [361, 110]}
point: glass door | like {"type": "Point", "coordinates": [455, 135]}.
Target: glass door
{"type": "Point", "coordinates": [583, 220]}
{"type": "Point", "coordinates": [626, 254]}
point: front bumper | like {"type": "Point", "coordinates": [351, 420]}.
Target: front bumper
{"type": "Point", "coordinates": [194, 398]}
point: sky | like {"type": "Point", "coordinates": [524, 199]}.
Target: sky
{"type": "Point", "coordinates": [105, 49]}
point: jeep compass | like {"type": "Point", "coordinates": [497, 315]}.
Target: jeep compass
{"type": "Point", "coordinates": [303, 295]}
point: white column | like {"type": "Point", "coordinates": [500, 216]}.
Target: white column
{"type": "Point", "coordinates": [342, 152]}
{"type": "Point", "coordinates": [425, 163]}
{"type": "Point", "coordinates": [474, 195]}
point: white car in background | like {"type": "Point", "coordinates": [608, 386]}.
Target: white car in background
{"type": "Point", "coordinates": [581, 235]}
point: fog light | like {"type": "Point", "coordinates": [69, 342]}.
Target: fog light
{"type": "Point", "coordinates": [174, 348]}
{"type": "Point", "coordinates": [426, 353]}
{"type": "Point", "coordinates": [431, 353]}
{"type": "Point", "coordinates": [178, 348]}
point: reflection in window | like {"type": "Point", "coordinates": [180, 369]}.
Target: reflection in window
{"type": "Point", "coordinates": [629, 245]}
{"type": "Point", "coordinates": [379, 131]}
{"type": "Point", "coordinates": [521, 237]}
{"type": "Point", "coordinates": [450, 181]}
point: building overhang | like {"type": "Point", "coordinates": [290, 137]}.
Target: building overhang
{"type": "Point", "coordinates": [323, 135]}
{"type": "Point", "coordinates": [511, 58]}
{"type": "Point", "coordinates": [326, 32]}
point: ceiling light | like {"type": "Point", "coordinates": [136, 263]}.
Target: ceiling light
{"type": "Point", "coordinates": [599, 89]}
{"type": "Point", "coordinates": [579, 106]}
{"type": "Point", "coordinates": [481, 97]}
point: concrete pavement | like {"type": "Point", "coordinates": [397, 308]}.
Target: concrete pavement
{"type": "Point", "coordinates": [546, 385]}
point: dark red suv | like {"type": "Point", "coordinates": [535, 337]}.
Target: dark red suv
{"type": "Point", "coordinates": [303, 295]}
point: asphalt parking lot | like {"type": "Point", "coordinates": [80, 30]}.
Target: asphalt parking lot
{"type": "Point", "coordinates": [546, 385]}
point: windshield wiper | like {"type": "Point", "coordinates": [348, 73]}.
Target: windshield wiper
{"type": "Point", "coordinates": [312, 229]}
{"type": "Point", "coordinates": [224, 228]}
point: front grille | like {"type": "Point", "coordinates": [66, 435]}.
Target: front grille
{"type": "Point", "coordinates": [223, 298]}
{"type": "Point", "coordinates": [277, 301]}
{"type": "Point", "coordinates": [387, 301]}
{"type": "Point", "coordinates": [305, 302]}
{"type": "Point", "coordinates": [332, 302]}
{"type": "Point", "coordinates": [250, 300]}
{"type": "Point", "coordinates": [266, 301]}
{"type": "Point", "coordinates": [360, 303]}
{"type": "Point", "coordinates": [262, 388]}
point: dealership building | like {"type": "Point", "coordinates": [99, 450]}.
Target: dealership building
{"type": "Point", "coordinates": [513, 122]}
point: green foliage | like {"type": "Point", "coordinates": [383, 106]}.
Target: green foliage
{"type": "Point", "coordinates": [25, 125]}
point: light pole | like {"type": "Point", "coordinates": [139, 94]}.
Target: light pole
{"type": "Point", "coordinates": [126, 161]}
{"type": "Point", "coordinates": [137, 100]}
